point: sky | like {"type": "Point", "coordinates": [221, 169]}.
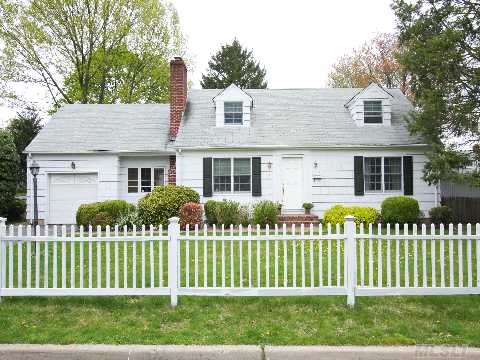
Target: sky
{"type": "Point", "coordinates": [296, 41]}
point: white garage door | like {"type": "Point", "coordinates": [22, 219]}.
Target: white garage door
{"type": "Point", "coordinates": [67, 193]}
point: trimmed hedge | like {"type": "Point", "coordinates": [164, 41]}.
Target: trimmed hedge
{"type": "Point", "coordinates": [265, 212]}
{"type": "Point", "coordinates": [102, 213]}
{"type": "Point", "coordinates": [165, 202]}
{"type": "Point", "coordinates": [191, 214]}
{"type": "Point", "coordinates": [441, 215]}
{"type": "Point", "coordinates": [400, 209]}
{"type": "Point", "coordinates": [336, 214]}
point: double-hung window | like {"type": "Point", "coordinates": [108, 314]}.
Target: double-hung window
{"type": "Point", "coordinates": [383, 174]}
{"type": "Point", "coordinates": [372, 112]}
{"type": "Point", "coordinates": [237, 171]}
{"type": "Point", "coordinates": [145, 179]}
{"type": "Point", "coordinates": [233, 112]}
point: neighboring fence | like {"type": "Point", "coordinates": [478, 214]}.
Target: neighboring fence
{"type": "Point", "coordinates": [464, 201]}
{"type": "Point", "coordinates": [228, 261]}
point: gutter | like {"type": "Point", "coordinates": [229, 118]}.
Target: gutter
{"type": "Point", "coordinates": [311, 147]}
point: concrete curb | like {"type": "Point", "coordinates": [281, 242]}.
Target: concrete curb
{"type": "Point", "coordinates": [128, 352]}
{"type": "Point", "coordinates": [242, 352]}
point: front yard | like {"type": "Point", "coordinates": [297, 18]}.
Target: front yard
{"type": "Point", "coordinates": [295, 320]}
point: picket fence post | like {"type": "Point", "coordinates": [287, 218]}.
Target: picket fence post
{"type": "Point", "coordinates": [3, 231]}
{"type": "Point", "coordinates": [173, 233]}
{"type": "Point", "coordinates": [351, 250]}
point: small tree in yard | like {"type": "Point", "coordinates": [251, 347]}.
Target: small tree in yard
{"type": "Point", "coordinates": [9, 164]}
{"type": "Point", "coordinates": [23, 128]}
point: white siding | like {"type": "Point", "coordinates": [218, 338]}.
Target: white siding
{"type": "Point", "coordinates": [330, 183]}
{"type": "Point", "coordinates": [138, 162]}
{"type": "Point", "coordinates": [105, 165]}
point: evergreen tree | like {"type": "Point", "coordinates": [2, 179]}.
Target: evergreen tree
{"type": "Point", "coordinates": [234, 65]}
{"type": "Point", "coordinates": [441, 55]}
{"type": "Point", "coordinates": [8, 171]}
{"type": "Point", "coordinates": [23, 128]}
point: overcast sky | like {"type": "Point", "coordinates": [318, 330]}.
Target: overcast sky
{"type": "Point", "coordinates": [296, 41]}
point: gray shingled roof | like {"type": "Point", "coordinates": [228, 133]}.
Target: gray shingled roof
{"type": "Point", "coordinates": [293, 117]}
{"type": "Point", "coordinates": [79, 128]}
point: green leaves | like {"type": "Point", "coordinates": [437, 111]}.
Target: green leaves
{"type": "Point", "coordinates": [441, 42]}
{"type": "Point", "coordinates": [234, 65]}
{"type": "Point", "coordinates": [9, 163]}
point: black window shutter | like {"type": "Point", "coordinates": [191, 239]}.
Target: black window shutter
{"type": "Point", "coordinates": [256, 176]}
{"type": "Point", "coordinates": [358, 175]}
{"type": "Point", "coordinates": [408, 175]}
{"type": "Point", "coordinates": [207, 177]}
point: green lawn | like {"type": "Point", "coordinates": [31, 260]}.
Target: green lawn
{"type": "Point", "coordinates": [217, 320]}
{"type": "Point", "coordinates": [280, 321]}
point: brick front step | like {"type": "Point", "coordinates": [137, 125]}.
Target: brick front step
{"type": "Point", "coordinates": [298, 219]}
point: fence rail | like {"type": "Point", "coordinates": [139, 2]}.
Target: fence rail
{"type": "Point", "coordinates": [373, 260]}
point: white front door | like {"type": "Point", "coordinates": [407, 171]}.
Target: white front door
{"type": "Point", "coordinates": [67, 193]}
{"type": "Point", "coordinates": [292, 183]}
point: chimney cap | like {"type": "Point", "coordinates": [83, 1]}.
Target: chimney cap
{"type": "Point", "coordinates": [177, 60]}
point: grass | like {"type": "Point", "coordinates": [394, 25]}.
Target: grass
{"type": "Point", "coordinates": [217, 320]}
{"type": "Point", "coordinates": [276, 321]}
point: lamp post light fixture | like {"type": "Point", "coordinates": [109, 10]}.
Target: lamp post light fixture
{"type": "Point", "coordinates": [34, 169]}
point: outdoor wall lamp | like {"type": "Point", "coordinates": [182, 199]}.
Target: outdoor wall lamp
{"type": "Point", "coordinates": [35, 169]}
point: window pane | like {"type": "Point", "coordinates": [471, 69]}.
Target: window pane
{"type": "Point", "coordinates": [393, 173]}
{"type": "Point", "coordinates": [372, 112]}
{"type": "Point", "coordinates": [146, 181]}
{"type": "Point", "coordinates": [158, 176]}
{"type": "Point", "coordinates": [241, 175]}
{"type": "Point", "coordinates": [233, 111]}
{"type": "Point", "coordinates": [373, 174]}
{"type": "Point", "coordinates": [222, 175]}
{"type": "Point", "coordinates": [132, 180]}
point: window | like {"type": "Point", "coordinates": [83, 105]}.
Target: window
{"type": "Point", "coordinates": [233, 112]}
{"type": "Point", "coordinates": [241, 175]}
{"type": "Point", "coordinates": [393, 173]}
{"type": "Point", "coordinates": [144, 179]}
{"type": "Point", "coordinates": [222, 181]}
{"type": "Point", "coordinates": [224, 174]}
{"type": "Point", "coordinates": [372, 112]}
{"type": "Point", "coordinates": [373, 174]}
{"type": "Point", "coordinates": [133, 180]}
{"type": "Point", "coordinates": [383, 174]}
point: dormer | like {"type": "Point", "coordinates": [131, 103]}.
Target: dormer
{"type": "Point", "coordinates": [232, 107]}
{"type": "Point", "coordinates": [371, 107]}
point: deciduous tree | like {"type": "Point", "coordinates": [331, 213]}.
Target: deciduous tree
{"type": "Point", "coordinates": [9, 163]}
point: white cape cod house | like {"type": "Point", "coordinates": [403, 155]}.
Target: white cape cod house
{"type": "Point", "coordinates": [324, 146]}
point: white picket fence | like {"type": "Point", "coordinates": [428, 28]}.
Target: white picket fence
{"type": "Point", "coordinates": [374, 260]}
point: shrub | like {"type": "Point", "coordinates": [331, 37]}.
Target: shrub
{"type": "Point", "coordinates": [192, 214]}
{"type": "Point", "coordinates": [265, 212]}
{"type": "Point", "coordinates": [129, 218]}
{"type": "Point", "coordinates": [210, 211]}
{"type": "Point", "coordinates": [441, 215]}
{"type": "Point", "coordinates": [336, 214]}
{"type": "Point", "coordinates": [227, 212]}
{"type": "Point", "coordinates": [17, 210]}
{"type": "Point", "coordinates": [165, 202]}
{"type": "Point", "coordinates": [307, 206]}
{"type": "Point", "coordinates": [87, 213]}
{"type": "Point", "coordinates": [9, 165]}
{"type": "Point", "coordinates": [400, 209]}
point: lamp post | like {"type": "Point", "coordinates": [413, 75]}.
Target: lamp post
{"type": "Point", "coordinates": [34, 169]}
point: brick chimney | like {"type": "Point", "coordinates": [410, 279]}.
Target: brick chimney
{"type": "Point", "coordinates": [178, 94]}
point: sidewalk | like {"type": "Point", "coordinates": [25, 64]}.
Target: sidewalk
{"type": "Point", "coordinates": [242, 352]}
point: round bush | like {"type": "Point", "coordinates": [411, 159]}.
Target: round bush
{"type": "Point", "coordinates": [165, 202]}
{"type": "Point", "coordinates": [210, 211]}
{"type": "Point", "coordinates": [400, 209]}
{"type": "Point", "coordinates": [87, 213]}
{"type": "Point", "coordinates": [441, 215]}
{"type": "Point", "coordinates": [336, 214]}
{"type": "Point", "coordinates": [265, 212]}
{"type": "Point", "coordinates": [17, 210]}
{"type": "Point", "coordinates": [191, 214]}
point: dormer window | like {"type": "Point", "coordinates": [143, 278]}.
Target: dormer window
{"type": "Point", "coordinates": [372, 112]}
{"type": "Point", "coordinates": [233, 113]}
